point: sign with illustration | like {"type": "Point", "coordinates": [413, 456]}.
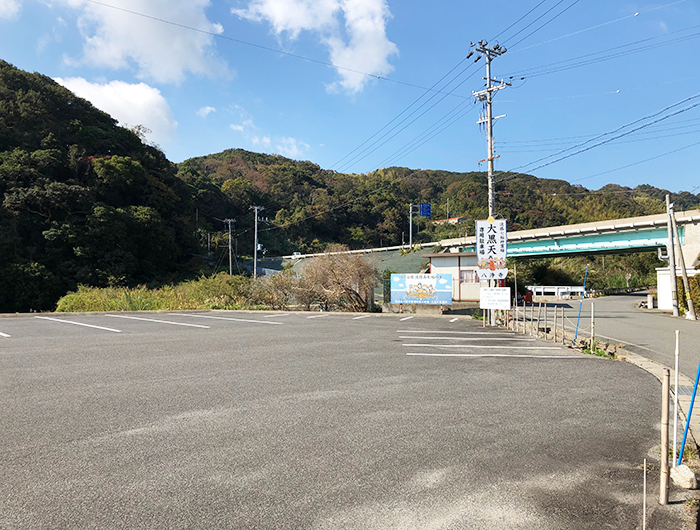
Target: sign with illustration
{"type": "Point", "coordinates": [427, 289]}
{"type": "Point", "coordinates": [491, 246]}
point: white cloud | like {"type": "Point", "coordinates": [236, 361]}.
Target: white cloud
{"type": "Point", "coordinates": [117, 39]}
{"type": "Point", "coordinates": [360, 44]}
{"type": "Point", "coordinates": [265, 141]}
{"type": "Point", "coordinates": [205, 111]}
{"type": "Point", "coordinates": [291, 147]}
{"type": "Point", "coordinates": [130, 104]}
{"type": "Point", "coordinates": [9, 8]}
{"type": "Point", "coordinates": [236, 127]}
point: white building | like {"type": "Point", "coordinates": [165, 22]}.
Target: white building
{"type": "Point", "coordinates": [663, 285]}
{"type": "Point", "coordinates": [462, 267]}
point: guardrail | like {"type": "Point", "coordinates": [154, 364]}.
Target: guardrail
{"type": "Point", "coordinates": [620, 290]}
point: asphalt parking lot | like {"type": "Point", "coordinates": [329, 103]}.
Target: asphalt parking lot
{"type": "Point", "coordinates": [314, 421]}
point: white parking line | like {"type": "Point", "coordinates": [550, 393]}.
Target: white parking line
{"type": "Point", "coordinates": [484, 347]}
{"type": "Point", "coordinates": [497, 355]}
{"type": "Point", "coordinates": [5, 335]}
{"type": "Point", "coordinates": [405, 318]}
{"type": "Point", "coordinates": [159, 321]}
{"type": "Point", "coordinates": [501, 333]}
{"type": "Point", "coordinates": [226, 318]}
{"type": "Point", "coordinates": [80, 324]}
{"type": "Point", "coordinates": [317, 316]}
{"type": "Point", "coordinates": [454, 320]}
{"type": "Point", "coordinates": [274, 316]}
{"type": "Point", "coordinates": [361, 316]}
{"type": "Point", "coordinates": [471, 338]}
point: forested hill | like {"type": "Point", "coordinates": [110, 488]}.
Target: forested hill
{"type": "Point", "coordinates": [309, 207]}
{"type": "Point", "coordinates": [84, 201]}
{"type": "Point", "coordinates": [87, 202]}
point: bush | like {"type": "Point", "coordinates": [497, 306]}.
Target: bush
{"type": "Point", "coordinates": [216, 292]}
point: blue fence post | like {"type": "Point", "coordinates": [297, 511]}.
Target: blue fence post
{"type": "Point", "coordinates": [687, 420]}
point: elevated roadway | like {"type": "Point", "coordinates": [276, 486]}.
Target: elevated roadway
{"type": "Point", "coordinates": [615, 235]}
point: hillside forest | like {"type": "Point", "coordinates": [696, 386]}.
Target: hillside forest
{"type": "Point", "coordinates": [88, 202]}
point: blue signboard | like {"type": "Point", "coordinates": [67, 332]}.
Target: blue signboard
{"type": "Point", "coordinates": [424, 209]}
{"type": "Point", "coordinates": [425, 289]}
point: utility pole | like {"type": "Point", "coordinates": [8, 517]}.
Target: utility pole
{"type": "Point", "coordinates": [671, 257]}
{"type": "Point", "coordinates": [684, 272]}
{"type": "Point", "coordinates": [229, 222]}
{"type": "Point", "coordinates": [411, 211]}
{"type": "Point", "coordinates": [486, 96]}
{"type": "Point", "coordinates": [255, 250]}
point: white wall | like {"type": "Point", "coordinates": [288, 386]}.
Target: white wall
{"type": "Point", "coordinates": [663, 285]}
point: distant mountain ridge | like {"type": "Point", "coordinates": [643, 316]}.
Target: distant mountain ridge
{"type": "Point", "coordinates": [85, 201]}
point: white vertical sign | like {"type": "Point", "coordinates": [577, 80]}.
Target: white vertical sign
{"type": "Point", "coordinates": [491, 249]}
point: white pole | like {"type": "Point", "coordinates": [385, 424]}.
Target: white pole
{"type": "Point", "coordinates": [675, 403]}
{"type": "Point", "coordinates": [644, 509]}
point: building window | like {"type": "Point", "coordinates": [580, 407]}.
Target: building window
{"type": "Point", "coordinates": [467, 276]}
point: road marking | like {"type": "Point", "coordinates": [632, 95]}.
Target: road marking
{"type": "Point", "coordinates": [496, 355]}
{"type": "Point", "coordinates": [405, 318]}
{"type": "Point", "coordinates": [5, 335]}
{"type": "Point", "coordinates": [274, 316]}
{"type": "Point", "coordinates": [227, 318]}
{"type": "Point", "coordinates": [159, 321]}
{"type": "Point", "coordinates": [361, 316]}
{"type": "Point", "coordinates": [317, 316]}
{"type": "Point", "coordinates": [502, 333]}
{"type": "Point", "coordinates": [472, 338]}
{"type": "Point", "coordinates": [80, 324]}
{"type": "Point", "coordinates": [484, 347]}
{"type": "Point", "coordinates": [454, 320]}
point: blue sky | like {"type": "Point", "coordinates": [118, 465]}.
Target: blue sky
{"type": "Point", "coordinates": [314, 79]}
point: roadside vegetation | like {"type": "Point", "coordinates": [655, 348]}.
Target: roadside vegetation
{"type": "Point", "coordinates": [330, 282]}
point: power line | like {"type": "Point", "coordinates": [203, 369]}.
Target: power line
{"type": "Point", "coordinates": [519, 20]}
{"type": "Point", "coordinates": [534, 21]}
{"type": "Point", "coordinates": [610, 133]}
{"type": "Point", "coordinates": [368, 150]}
{"type": "Point", "coordinates": [401, 113]}
{"type": "Point", "coordinates": [551, 141]}
{"type": "Point", "coordinates": [548, 22]}
{"type": "Point", "coordinates": [637, 163]}
{"type": "Point", "coordinates": [353, 160]}
{"type": "Point", "coordinates": [600, 25]}
{"type": "Point", "coordinates": [429, 134]}
{"type": "Point", "coordinates": [259, 46]}
{"type": "Point", "coordinates": [611, 139]}
{"type": "Point", "coordinates": [583, 60]}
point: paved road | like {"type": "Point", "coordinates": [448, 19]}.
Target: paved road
{"type": "Point", "coordinates": [648, 333]}
{"type": "Point", "coordinates": [298, 421]}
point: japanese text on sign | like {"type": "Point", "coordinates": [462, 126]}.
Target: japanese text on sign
{"type": "Point", "coordinates": [491, 248]}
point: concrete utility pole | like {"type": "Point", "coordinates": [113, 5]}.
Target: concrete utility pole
{"type": "Point", "coordinates": [229, 222]}
{"type": "Point", "coordinates": [671, 257]}
{"type": "Point", "coordinates": [255, 250]}
{"type": "Point", "coordinates": [684, 272]}
{"type": "Point", "coordinates": [487, 95]}
{"type": "Point", "coordinates": [411, 211]}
